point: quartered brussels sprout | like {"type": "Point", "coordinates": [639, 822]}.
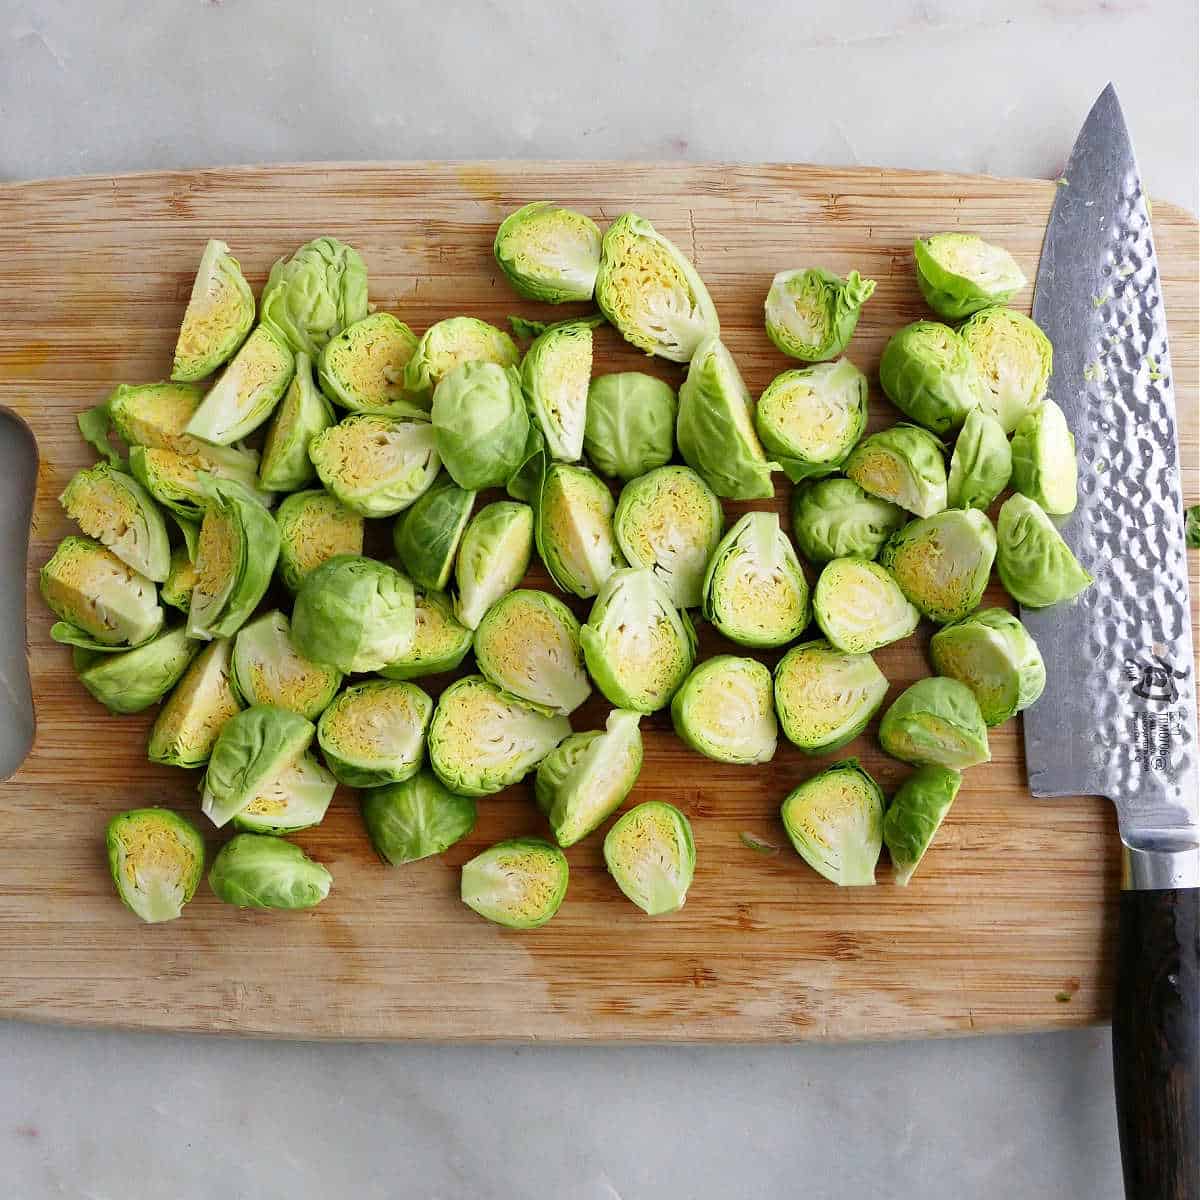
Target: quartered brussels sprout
{"type": "Point", "coordinates": [835, 821]}
{"type": "Point", "coordinates": [416, 818]}
{"type": "Point", "coordinates": [638, 646]}
{"type": "Point", "coordinates": [492, 558]}
{"type": "Point", "coordinates": [519, 883]}
{"type": "Point", "coordinates": [427, 534]}
{"type": "Point", "coordinates": [902, 465]}
{"type": "Point", "coordinates": [669, 521]}
{"type": "Point", "coordinates": [314, 295]}
{"type": "Point", "coordinates": [936, 722]}
{"type": "Point", "coordinates": [452, 343]}
{"type": "Point", "coordinates": [480, 424]}
{"type": "Point", "coordinates": [555, 373]}
{"type": "Point", "coordinates": [915, 815]}
{"type": "Point", "coordinates": [181, 578]}
{"type": "Point", "coordinates": [354, 613]}
{"type": "Point", "coordinates": [724, 711]}
{"type": "Point", "coordinates": [439, 642]}
{"type": "Point", "coordinates": [296, 799]}
{"type": "Point", "coordinates": [930, 375]}
{"type": "Point", "coordinates": [362, 368]}
{"type": "Point", "coordinates": [528, 645]}
{"type": "Point", "coordinates": [575, 530]}
{"type": "Point", "coordinates": [248, 391]}
{"type": "Point", "coordinates": [156, 858]}
{"type": "Point", "coordinates": [860, 607]}
{"type": "Point", "coordinates": [196, 711]}
{"type": "Point", "coordinates": [98, 596]}
{"type": "Point", "coordinates": [374, 732]}
{"type": "Point", "coordinates": [173, 479]}
{"type": "Point", "coordinates": [135, 679]}
{"type": "Point", "coordinates": [303, 413]}
{"type": "Point", "coordinates": [651, 293]}
{"type": "Point", "coordinates": [811, 418]}
{"type": "Point", "coordinates": [549, 253]}
{"type": "Point", "coordinates": [219, 314]}
{"type": "Point", "coordinates": [313, 528]}
{"type": "Point", "coordinates": [1035, 565]}
{"type": "Point", "coordinates": [585, 779]}
{"type": "Point", "coordinates": [239, 545]}
{"type": "Point", "coordinates": [482, 741]}
{"type": "Point", "coordinates": [255, 870]}
{"type": "Point", "coordinates": [267, 669]}
{"type": "Point", "coordinates": [942, 563]}
{"type": "Point", "coordinates": [630, 425]}
{"type": "Point", "coordinates": [993, 654]}
{"type": "Point", "coordinates": [1043, 459]}
{"type": "Point", "coordinates": [981, 464]}
{"type": "Point", "coordinates": [960, 273]}
{"type": "Point", "coordinates": [835, 518]}
{"type": "Point", "coordinates": [651, 855]}
{"type": "Point", "coordinates": [715, 427]}
{"type": "Point", "coordinates": [1015, 359]}
{"type": "Point", "coordinates": [376, 464]}
{"type": "Point", "coordinates": [755, 592]}
{"type": "Point", "coordinates": [812, 314]}
{"type": "Point", "coordinates": [155, 414]}
{"type": "Point", "coordinates": [825, 697]}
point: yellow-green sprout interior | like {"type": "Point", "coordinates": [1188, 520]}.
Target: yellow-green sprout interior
{"type": "Point", "coordinates": [862, 604]}
{"type": "Point", "coordinates": [836, 818]}
{"type": "Point", "coordinates": [967, 255]}
{"type": "Point", "coordinates": [648, 855]}
{"type": "Point", "coordinates": [530, 651]}
{"type": "Point", "coordinates": [878, 471]}
{"type": "Point", "coordinates": [672, 529]}
{"type": "Point", "coordinates": [729, 705]}
{"type": "Point", "coordinates": [827, 690]}
{"type": "Point", "coordinates": [451, 343]}
{"type": "Point", "coordinates": [364, 453]}
{"type": "Point", "coordinates": [369, 360]}
{"type": "Point", "coordinates": [155, 415]}
{"type": "Point", "coordinates": [283, 428]}
{"type": "Point", "coordinates": [436, 632]}
{"type": "Point", "coordinates": [979, 658]}
{"type": "Point", "coordinates": [258, 365]}
{"type": "Point", "coordinates": [647, 656]}
{"type": "Point", "coordinates": [520, 881]}
{"type": "Point", "coordinates": [576, 515]}
{"type": "Point", "coordinates": [154, 862]}
{"type": "Point", "coordinates": [92, 588]}
{"type": "Point", "coordinates": [940, 567]}
{"type": "Point", "coordinates": [107, 512]}
{"type": "Point", "coordinates": [803, 305]}
{"type": "Point", "coordinates": [760, 594]}
{"type": "Point", "coordinates": [218, 559]}
{"type": "Point", "coordinates": [219, 310]}
{"type": "Point", "coordinates": [564, 372]}
{"type": "Point", "coordinates": [282, 677]}
{"type": "Point", "coordinates": [555, 246]}
{"type": "Point", "coordinates": [606, 771]}
{"type": "Point", "coordinates": [809, 414]}
{"type": "Point", "coordinates": [293, 791]}
{"type": "Point", "coordinates": [321, 529]}
{"type": "Point", "coordinates": [198, 708]}
{"type": "Point", "coordinates": [491, 735]}
{"type": "Point", "coordinates": [376, 724]}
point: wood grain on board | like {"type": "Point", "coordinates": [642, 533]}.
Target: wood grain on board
{"type": "Point", "coordinates": [1008, 925]}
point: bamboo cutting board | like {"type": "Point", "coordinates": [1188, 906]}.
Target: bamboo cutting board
{"type": "Point", "coordinates": [1009, 922]}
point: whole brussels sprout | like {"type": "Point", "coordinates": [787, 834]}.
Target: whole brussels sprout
{"type": "Point", "coordinates": [915, 815]}
{"type": "Point", "coordinates": [835, 518]}
{"type": "Point", "coordinates": [156, 858]}
{"type": "Point", "coordinates": [302, 415]}
{"type": "Point", "coordinates": [1015, 359]}
{"type": "Point", "coordinates": [480, 425]}
{"type": "Point", "coordinates": [575, 536]}
{"type": "Point", "coordinates": [902, 465]}
{"type": "Point", "coordinates": [519, 883]}
{"type": "Point", "coordinates": [981, 464]}
{"type": "Point", "coordinates": [549, 253]}
{"type": "Point", "coordinates": [630, 425]}
{"type": "Point", "coordinates": [189, 723]}
{"type": "Point", "coordinates": [929, 373]}
{"type": "Point", "coordinates": [415, 818]}
{"type": "Point", "coordinates": [960, 273]}
{"type": "Point", "coordinates": [362, 368]}
{"type": "Point", "coordinates": [257, 871]}
{"type": "Point", "coordinates": [313, 528]}
{"type": "Point", "coordinates": [650, 293]}
{"type": "Point", "coordinates": [724, 711]}
{"type": "Point", "coordinates": [835, 822]}
{"type": "Point", "coordinates": [555, 373]}
{"type": "Point", "coordinates": [936, 722]}
{"type": "Point", "coordinates": [825, 697]}
{"type": "Point", "coordinates": [298, 798]}
{"type": "Point", "coordinates": [812, 314]}
{"type": "Point", "coordinates": [174, 479]}
{"type": "Point", "coordinates": [219, 314]}
{"type": "Point", "coordinates": [439, 642]}
{"type": "Point", "coordinates": [374, 732]}
{"type": "Point", "coordinates": [651, 854]}
{"type": "Point", "coordinates": [1035, 565]}
{"type": "Point", "coordinates": [1043, 459]}
{"type": "Point", "coordinates": [267, 669]}
{"type": "Point", "coordinates": [181, 578]}
{"type": "Point", "coordinates": [427, 534]}
{"type": "Point", "coordinates": [132, 681]}
{"type": "Point", "coordinates": [859, 606]}
{"type": "Point", "coordinates": [492, 558]}
{"type": "Point", "coordinates": [452, 343]}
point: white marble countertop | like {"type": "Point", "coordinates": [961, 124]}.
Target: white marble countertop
{"type": "Point", "coordinates": [117, 85]}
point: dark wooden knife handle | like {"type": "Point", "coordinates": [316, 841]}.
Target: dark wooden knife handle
{"type": "Point", "coordinates": [1156, 1043]}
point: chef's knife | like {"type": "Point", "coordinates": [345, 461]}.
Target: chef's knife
{"type": "Point", "coordinates": [1118, 716]}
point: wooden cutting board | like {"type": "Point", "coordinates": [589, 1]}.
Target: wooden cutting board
{"type": "Point", "coordinates": [1010, 921]}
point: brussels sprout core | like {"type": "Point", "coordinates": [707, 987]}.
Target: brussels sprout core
{"type": "Point", "coordinates": [724, 710]}
{"type": "Point", "coordinates": [835, 821]}
{"type": "Point", "coordinates": [296, 799]}
{"type": "Point", "coordinates": [825, 697]}
{"type": "Point", "coordinates": [519, 883]}
{"type": "Point", "coordinates": [156, 858]}
{"type": "Point", "coordinates": [1015, 359]}
{"type": "Point", "coordinates": [268, 670]}
{"type": "Point", "coordinates": [651, 855]}
{"type": "Point", "coordinates": [859, 606]}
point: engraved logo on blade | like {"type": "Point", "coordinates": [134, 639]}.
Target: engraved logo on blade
{"type": "Point", "coordinates": [1153, 678]}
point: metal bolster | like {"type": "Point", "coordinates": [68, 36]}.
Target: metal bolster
{"type": "Point", "coordinates": [1161, 859]}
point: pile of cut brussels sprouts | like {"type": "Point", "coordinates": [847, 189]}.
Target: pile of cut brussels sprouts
{"type": "Point", "coordinates": [274, 696]}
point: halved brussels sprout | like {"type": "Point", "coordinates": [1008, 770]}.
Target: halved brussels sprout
{"type": "Point", "coordinates": [374, 732]}
{"type": "Point", "coordinates": [173, 479]}
{"type": "Point", "coordinates": [303, 413]}
{"type": "Point", "coordinates": [575, 530]}
{"type": "Point", "coordinates": [312, 296]}
{"type": "Point", "coordinates": [549, 253]}
{"type": "Point", "coordinates": [313, 528]}
{"type": "Point", "coordinates": [902, 465]}
{"type": "Point", "coordinates": [1043, 459]}
{"type": "Point", "coordinates": [585, 779]}
{"type": "Point", "coordinates": [114, 509]}
{"type": "Point", "coordinates": [134, 680]}
{"type": "Point", "coordinates": [915, 815]}
{"type": "Point", "coordinates": [92, 590]}
{"type": "Point", "coordinates": [638, 646]}
{"type": "Point", "coordinates": [439, 642]}
{"type": "Point", "coordinates": [669, 521]}
{"type": "Point", "coordinates": [416, 818]}
{"type": "Point", "coordinates": [181, 578]}
{"type": "Point", "coordinates": [860, 607]}
{"type": "Point", "coordinates": [715, 427]}
{"type": "Point", "coordinates": [812, 314]}
{"type": "Point", "coordinates": [450, 344]}
{"type": "Point", "coordinates": [354, 613]}
{"type": "Point", "coordinates": [482, 741]}
{"type": "Point", "coordinates": [724, 711]}
{"type": "Point", "coordinates": [651, 293]}
{"type": "Point", "coordinates": [993, 654]}
{"type": "Point", "coordinates": [267, 669]}
{"type": "Point", "coordinates": [296, 799]}
{"type": "Point", "coordinates": [1015, 358]}
{"type": "Point", "coordinates": [826, 697]}
{"type": "Point", "coordinates": [981, 464]}
{"type": "Point", "coordinates": [528, 645]}
{"type": "Point", "coordinates": [376, 464]}
{"type": "Point", "coordinates": [960, 273]}
{"type": "Point", "coordinates": [219, 314]}
{"type": "Point", "coordinates": [930, 375]}
{"type": "Point", "coordinates": [651, 855]}
{"type": "Point", "coordinates": [630, 426]}
{"type": "Point", "coordinates": [480, 424]}
{"type": "Point", "coordinates": [156, 858]}
{"type": "Point", "coordinates": [519, 883]}
{"type": "Point", "coordinates": [835, 518]}
{"type": "Point", "coordinates": [196, 711]}
{"type": "Point", "coordinates": [555, 374]}
{"type": "Point", "coordinates": [492, 558]}
{"type": "Point", "coordinates": [362, 368]}
{"type": "Point", "coordinates": [156, 414]}
{"type": "Point", "coordinates": [835, 822]}
{"type": "Point", "coordinates": [942, 563]}
{"type": "Point", "coordinates": [427, 534]}
{"type": "Point", "coordinates": [755, 592]}
{"type": "Point", "coordinates": [811, 418]}
{"type": "Point", "coordinates": [254, 870]}
{"type": "Point", "coordinates": [936, 722]}
{"type": "Point", "coordinates": [1035, 565]}
{"type": "Point", "coordinates": [248, 391]}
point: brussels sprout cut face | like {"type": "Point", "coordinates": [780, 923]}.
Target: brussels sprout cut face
{"type": "Point", "coordinates": [313, 528]}
{"type": "Point", "coordinates": [415, 818]}
{"type": "Point", "coordinates": [928, 373]}
{"type": "Point", "coordinates": [303, 413]}
{"type": "Point", "coordinates": [439, 642]}
{"type": "Point", "coordinates": [156, 414]}
{"type": "Point", "coordinates": [156, 858]}
{"type": "Point", "coordinates": [630, 425]}
{"type": "Point", "coordinates": [859, 606]}
{"type": "Point", "coordinates": [134, 680]}
{"type": "Point", "coordinates": [835, 518]}
{"type": "Point", "coordinates": [480, 424]}
{"type": "Point", "coordinates": [218, 317]}
{"type": "Point", "coordinates": [902, 465]}
{"type": "Point", "coordinates": [575, 530]}
{"type": "Point", "coordinates": [835, 821]}
{"type": "Point", "coordinates": [1035, 565]}
{"type": "Point", "coordinates": [174, 479]}
{"type": "Point", "coordinates": [426, 537]}
{"type": "Point", "coordinates": [519, 883]}
{"type": "Point", "coordinates": [268, 670]}
{"type": "Point", "coordinates": [915, 815]}
{"type": "Point", "coordinates": [1015, 359]}
{"type": "Point", "coordinates": [181, 578]}
{"type": "Point", "coordinates": [549, 253]}
{"type": "Point", "coordinates": [362, 368]}
{"type": "Point", "coordinates": [374, 733]}
{"type": "Point", "coordinates": [960, 273]}
{"type": "Point", "coordinates": [651, 855]}
{"type": "Point", "coordinates": [555, 374]}
{"type": "Point", "coordinates": [256, 871]}
{"type": "Point", "coordinates": [812, 314]}
{"type": "Point", "coordinates": [724, 711]}
{"type": "Point", "coordinates": [936, 722]}
{"type": "Point", "coordinates": [196, 711]}
{"type": "Point", "coordinates": [296, 799]}
{"type": "Point", "coordinates": [450, 344]}
{"type": "Point", "coordinates": [1043, 459]}
{"type": "Point", "coordinates": [493, 558]}
{"type": "Point", "coordinates": [981, 464]}
{"type": "Point", "coordinates": [825, 697]}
